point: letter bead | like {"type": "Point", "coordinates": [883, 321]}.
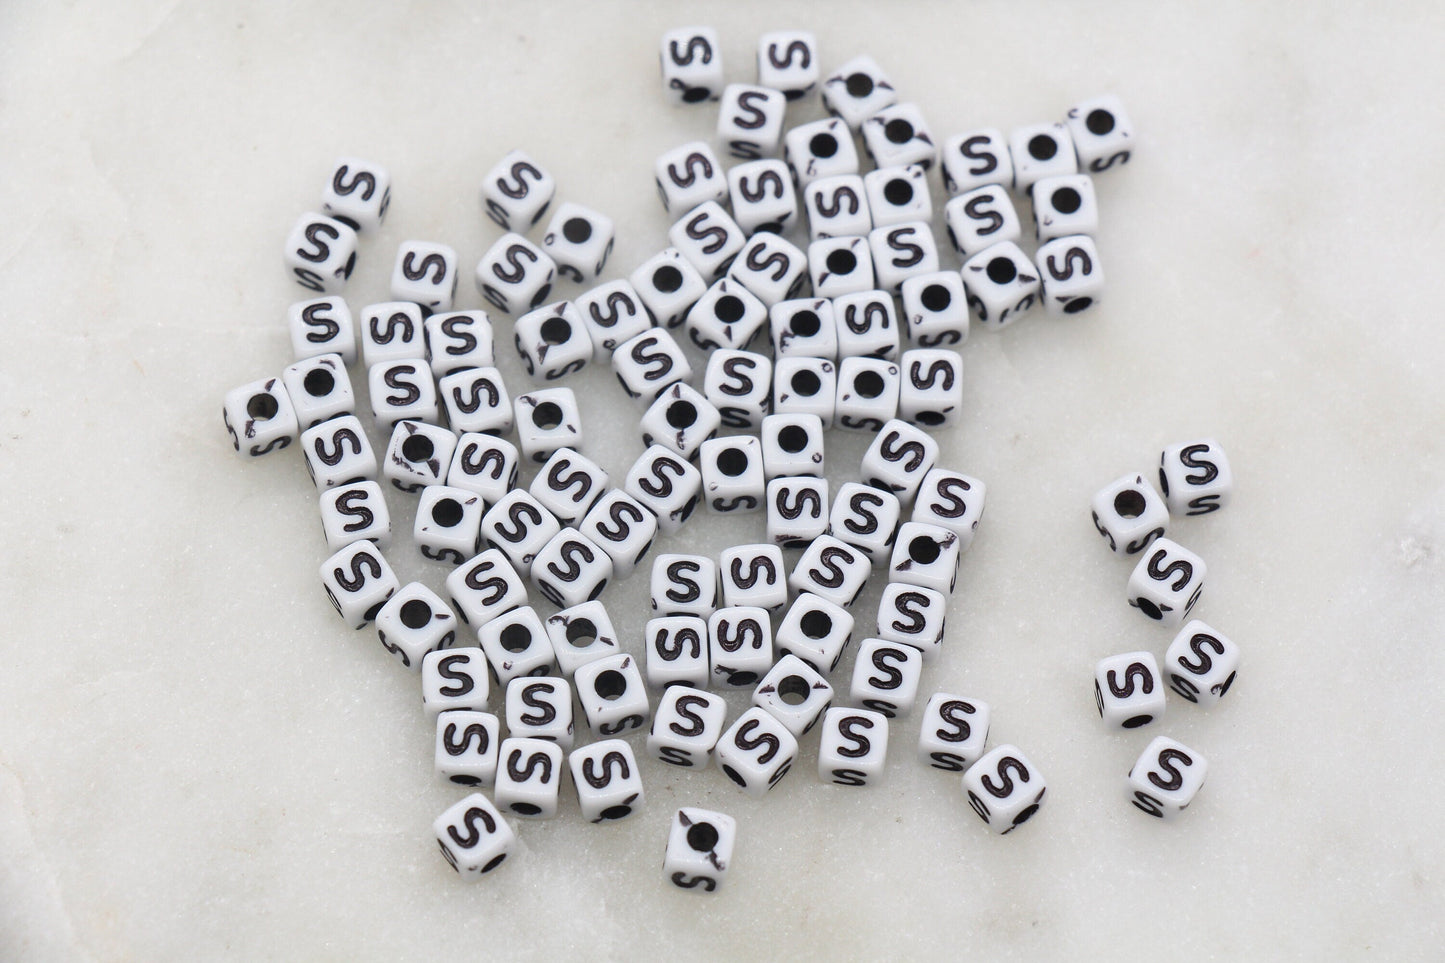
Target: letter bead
{"type": "Point", "coordinates": [1064, 205]}
{"type": "Point", "coordinates": [677, 655]}
{"type": "Point", "coordinates": [953, 732]}
{"type": "Point", "coordinates": [692, 66]}
{"type": "Point", "coordinates": [319, 389]}
{"type": "Point", "coordinates": [357, 194]}
{"type": "Point", "coordinates": [448, 524]}
{"type": "Point", "coordinates": [840, 265]}
{"type": "Point", "coordinates": [516, 645]}
{"type": "Point", "coordinates": [750, 120]}
{"type": "Point", "coordinates": [547, 420]}
{"type": "Point", "coordinates": [756, 752]}
{"type": "Point", "coordinates": [740, 645]}
{"type": "Point", "coordinates": [402, 391]}
{"type": "Point", "coordinates": [609, 785]}
{"type": "Point", "coordinates": [358, 581]}
{"type": "Point", "coordinates": [455, 679]}
{"type": "Point", "coordinates": [818, 150]}
{"type": "Point", "coordinates": [1201, 664]}
{"type": "Point", "coordinates": [1002, 284]}
{"type": "Point", "coordinates": [805, 386]}
{"type": "Point", "coordinates": [648, 364]}
{"type": "Point", "coordinates": [925, 555]}
{"type": "Point", "coordinates": [902, 251]}
{"type": "Point", "coordinates": [794, 694]}
{"type": "Point", "coordinates": [1195, 477]}
{"type": "Point", "coordinates": [867, 393]}
{"type": "Point", "coordinates": [1004, 789]}
{"type": "Point", "coordinates": [1128, 690]}
{"type": "Point", "coordinates": [417, 455]}
{"type": "Point", "coordinates": [792, 445]}
{"type": "Point", "coordinates": [935, 309]}
{"type": "Point", "coordinates": [898, 136]}
{"type": "Point", "coordinates": [622, 527]}
{"type": "Point", "coordinates": [613, 314]}
{"type": "Point", "coordinates": [867, 325]}
{"type": "Point", "coordinates": [458, 340]}
{"type": "Point", "coordinates": [770, 268]}
{"type": "Point", "coordinates": [886, 676]}
{"type": "Point", "coordinates": [476, 400]}
{"type": "Point", "coordinates": [1166, 778]}
{"type": "Point", "coordinates": [350, 513]}
{"type": "Point", "coordinates": [953, 501]}
{"type": "Point", "coordinates": [804, 328]}
{"type": "Point", "coordinates": [579, 240]}
{"type": "Point", "coordinates": [831, 569]}
{"type": "Point", "coordinates": [788, 61]}
{"type": "Point", "coordinates": [932, 388]}
{"type": "Point", "coordinates": [686, 726]}
{"type": "Point", "coordinates": [732, 474]}
{"type": "Point", "coordinates": [681, 419]}
{"type": "Point", "coordinates": [529, 777]}
{"type": "Point", "coordinates": [484, 587]}
{"type": "Point", "coordinates": [974, 159]}
{"type": "Point", "coordinates": [612, 695]}
{"type": "Point", "coordinates": [762, 195]}
{"type": "Point", "coordinates": [260, 419]}
{"type": "Point", "coordinates": [1129, 514]}
{"type": "Point", "coordinates": [816, 631]}
{"type": "Point", "coordinates": [552, 341]}
{"type": "Point", "coordinates": [797, 510]}
{"type": "Point", "coordinates": [484, 464]}
{"type": "Point", "coordinates": [690, 175]}
{"type": "Point", "coordinates": [1101, 132]}
{"type": "Point", "coordinates": [338, 453]}
{"type": "Point", "coordinates": [853, 746]}
{"type": "Point", "coordinates": [322, 326]}
{"type": "Point", "coordinates": [540, 708]}
{"type": "Point", "coordinates": [684, 585]}
{"type": "Point", "coordinates": [515, 275]}
{"type": "Point", "coordinates": [473, 837]}
{"type": "Point", "coordinates": [753, 575]}
{"type": "Point", "coordinates": [865, 518]}
{"type": "Point", "coordinates": [857, 90]}
{"type": "Point", "coordinates": [1166, 583]}
{"type": "Point", "coordinates": [425, 273]}
{"type": "Point", "coordinates": [739, 384]}
{"type": "Point", "coordinates": [1039, 151]}
{"type": "Point", "coordinates": [467, 743]}
{"type": "Point", "coordinates": [320, 253]}
{"type": "Point", "coordinates": [1073, 280]}
{"type": "Point", "coordinates": [516, 193]}
{"type": "Point", "coordinates": [570, 569]}
{"type": "Point", "coordinates": [581, 634]}
{"type": "Point", "coordinates": [568, 485]}
{"type": "Point", "coordinates": [726, 316]}
{"type": "Point", "coordinates": [666, 484]}
{"type": "Point", "coordinates": [668, 285]}
{"type": "Point", "coordinates": [980, 219]}
{"type": "Point", "coordinates": [898, 195]}
{"type": "Point", "coordinates": [899, 459]}
{"type": "Point", "coordinates": [913, 615]}
{"type": "Point", "coordinates": [392, 331]}
{"type": "Point", "coordinates": [837, 207]}
{"type": "Point", "coordinates": [709, 238]}
{"type": "Point", "coordinates": [699, 849]}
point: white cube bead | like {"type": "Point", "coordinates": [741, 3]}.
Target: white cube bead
{"type": "Point", "coordinates": [516, 644]}
{"type": "Point", "coordinates": [857, 90]}
{"type": "Point", "coordinates": [816, 631]}
{"type": "Point", "coordinates": [732, 474]}
{"type": "Point", "coordinates": [358, 581]}
{"type": "Point", "coordinates": [568, 485]}
{"type": "Point", "coordinates": [649, 364]}
{"type": "Point", "coordinates": [865, 518]}
{"type": "Point", "coordinates": [515, 275]}
{"type": "Point", "coordinates": [1129, 514]}
{"type": "Point", "coordinates": [684, 585]}
{"type": "Point", "coordinates": [788, 61]}
{"type": "Point", "coordinates": [484, 587]}
{"type": "Point", "coordinates": [1102, 134]}
{"type": "Point", "coordinates": [667, 484]}
{"type": "Point", "coordinates": [338, 453]}
{"type": "Point", "coordinates": [692, 65]}
{"type": "Point", "coordinates": [837, 207]}
{"type": "Point", "coordinates": [413, 622]}
{"type": "Point", "coordinates": [1064, 205]}
{"type": "Point", "coordinates": [392, 331]}
{"type": "Point", "coordinates": [1128, 690]}
{"type": "Point", "coordinates": [612, 695]}
{"type": "Point", "coordinates": [473, 837]}
{"type": "Point", "coordinates": [517, 191]}
{"type": "Point", "coordinates": [570, 569]}
{"type": "Point", "coordinates": [1002, 284]}
{"type": "Point", "coordinates": [853, 746]}
{"type": "Point", "coordinates": [426, 273]}
{"type": "Point", "coordinates": [547, 420]}
{"type": "Point", "coordinates": [689, 175]}
{"type": "Point", "coordinates": [320, 253]}
{"type": "Point", "coordinates": [770, 268]}
{"type": "Point", "coordinates": [622, 527]}
{"type": "Point", "coordinates": [1072, 277]}
{"type": "Point", "coordinates": [974, 159]}
{"type": "Point", "coordinates": [668, 285]}
{"type": "Point", "coordinates": [417, 455]}
{"type": "Point", "coordinates": [355, 511]}
{"type": "Point", "coordinates": [898, 136]}
{"type": "Point", "coordinates": [818, 150]}
{"type": "Point", "coordinates": [1004, 788]}
{"type": "Point", "coordinates": [357, 194]}
{"type": "Point", "coordinates": [750, 120]}
{"type": "Point", "coordinates": [319, 389]}
{"type": "Point", "coordinates": [582, 634]}
{"type": "Point", "coordinates": [467, 744]}
{"type": "Point", "coordinates": [980, 219]}
{"type": "Point", "coordinates": [709, 238]}
{"type": "Point", "coordinates": [402, 391]}
{"type": "Point", "coordinates": [831, 569]}
{"type": "Point", "coordinates": [739, 645]}
{"type": "Point", "coordinates": [552, 341]}
{"type": "Point", "coordinates": [756, 752]}
{"type": "Point", "coordinates": [540, 708]}
{"type": "Point", "coordinates": [931, 395]}
{"type": "Point", "coordinates": [1201, 664]}
{"type": "Point", "coordinates": [753, 575]}
{"type": "Point", "coordinates": [260, 418]}
{"type": "Point", "coordinates": [1039, 151]}
{"type": "Point", "coordinates": [579, 240]}
{"type": "Point", "coordinates": [840, 265]}
{"type": "Point", "coordinates": [795, 694]}
{"type": "Point", "coordinates": [792, 444]}
{"type": "Point", "coordinates": [913, 615]}
{"type": "Point", "coordinates": [953, 501]}
{"type": "Point", "coordinates": [867, 325]}
{"type": "Point", "coordinates": [803, 328]}
{"type": "Point", "coordinates": [762, 196]}
{"type": "Point", "coordinates": [953, 732]}
{"type": "Point", "coordinates": [484, 464]}
{"type": "Point", "coordinates": [899, 459]}
{"type": "Point", "coordinates": [1195, 477]}
{"type": "Point", "coordinates": [448, 524]}
{"type": "Point", "coordinates": [726, 316]}
{"type": "Point", "coordinates": [1166, 583]}
{"type": "Point", "coordinates": [476, 400]}
{"type": "Point", "coordinates": [797, 510]}
{"type": "Point", "coordinates": [322, 326]}
{"type": "Point", "coordinates": [458, 340]}
{"type": "Point", "coordinates": [681, 419]}
{"type": "Point", "coordinates": [1166, 778]}
{"type": "Point", "coordinates": [868, 391]}
{"type": "Point", "coordinates": [455, 679]}
{"type": "Point", "coordinates": [613, 314]}
{"type": "Point", "coordinates": [902, 251]}
{"type": "Point", "coordinates": [925, 555]}
{"type": "Point", "coordinates": [740, 385]}
{"type": "Point", "coordinates": [935, 309]}
{"type": "Point", "coordinates": [886, 676]}
{"type": "Point", "coordinates": [699, 849]}
{"type": "Point", "coordinates": [686, 726]}
{"type": "Point", "coordinates": [898, 195]}
{"type": "Point", "coordinates": [609, 784]}
{"type": "Point", "coordinates": [529, 777]}
{"type": "Point", "coordinates": [805, 386]}
{"type": "Point", "coordinates": [676, 652]}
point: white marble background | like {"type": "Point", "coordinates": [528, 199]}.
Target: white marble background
{"type": "Point", "coordinates": [198, 762]}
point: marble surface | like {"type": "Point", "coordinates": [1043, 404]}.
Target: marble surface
{"type": "Point", "coordinates": [198, 761]}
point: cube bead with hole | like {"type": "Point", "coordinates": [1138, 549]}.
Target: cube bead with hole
{"type": "Point", "coordinates": [612, 695]}
{"type": "Point", "coordinates": [529, 777]}
{"type": "Point", "coordinates": [413, 622]}
{"type": "Point", "coordinates": [974, 159]}
{"type": "Point", "coordinates": [831, 569]}
{"type": "Point", "coordinates": [681, 419]}
{"type": "Point", "coordinates": [792, 444]}
{"type": "Point", "coordinates": [692, 65]}
{"type": "Point", "coordinates": [788, 61]}
{"type": "Point", "coordinates": [517, 192]}
{"type": "Point", "coordinates": [762, 194]}
{"type": "Point", "coordinates": [931, 392]}
{"type": "Point", "coordinates": [338, 453]}
{"type": "Point", "coordinates": [899, 459]}
{"type": "Point", "coordinates": [953, 501]}
{"type": "Point", "coordinates": [622, 527]}
{"type": "Point", "coordinates": [1002, 284]}
{"type": "Point", "coordinates": [867, 393]}
{"type": "Point", "coordinates": [515, 275]}
{"type": "Point", "coordinates": [358, 581]}
{"type": "Point", "coordinates": [925, 555]}
{"type": "Point", "coordinates": [1166, 583]}
{"type": "Point", "coordinates": [1128, 690]}
{"type": "Point", "coordinates": [853, 746]}
{"type": "Point", "coordinates": [756, 752]}
{"type": "Point", "coordinates": [750, 120]}
{"type": "Point", "coordinates": [805, 386]}
{"type": "Point", "coordinates": [740, 385]}
{"type": "Point", "coordinates": [319, 389]}
{"type": "Point", "coordinates": [648, 364]}
{"type": "Point", "coordinates": [820, 149]}
{"type": "Point", "coordinates": [516, 645]}
{"type": "Point", "coordinates": [898, 136]}
{"type": "Point", "coordinates": [1195, 477]}
{"type": "Point", "coordinates": [867, 325]}
{"type": "Point", "coordinates": [676, 647]}
{"type": "Point", "coordinates": [579, 240]}
{"type": "Point", "coordinates": [609, 784]}
{"type": "Point", "coordinates": [1004, 788]}
{"type": "Point", "coordinates": [902, 251]}
{"type": "Point", "coordinates": [865, 518]}
{"type": "Point", "coordinates": [458, 340]}
{"type": "Point", "coordinates": [840, 265]}
{"type": "Point", "coordinates": [547, 420]}
{"type": "Point", "coordinates": [898, 195]}
{"type": "Point", "coordinates": [1039, 151]}
{"type": "Point", "coordinates": [797, 507]}
{"type": "Point", "coordinates": [476, 400]}
{"type": "Point", "coordinates": [689, 175]}
{"type": "Point", "coordinates": [455, 679]}
{"type": "Point", "coordinates": [582, 634]}
{"type": "Point", "coordinates": [686, 726]}
{"type": "Point", "coordinates": [753, 575]}
{"type": "Point", "coordinates": [739, 645]}
{"type": "Point", "coordinates": [1064, 205]}
{"type": "Point", "coordinates": [320, 253]}
{"type": "Point", "coordinates": [668, 285]}
{"type": "Point", "coordinates": [484, 587]}
{"type": "Point", "coordinates": [953, 732]}
{"type": "Point", "coordinates": [1166, 778]}
{"type": "Point", "coordinates": [1201, 664]}
{"type": "Point", "coordinates": [709, 238]}
{"type": "Point", "coordinates": [357, 194]}
{"type": "Point", "coordinates": [699, 849]}
{"type": "Point", "coordinates": [392, 331]}
{"type": "Point", "coordinates": [473, 836]}
{"type": "Point", "coordinates": [448, 524]}
{"type": "Point", "coordinates": [795, 694]}
{"type": "Point", "coordinates": [402, 391]}
{"type": "Point", "coordinates": [913, 615]}
{"type": "Point", "coordinates": [837, 207]}
{"type": "Point", "coordinates": [726, 316]}
{"type": "Point", "coordinates": [259, 418]}
{"type": "Point", "coordinates": [935, 309]}
{"type": "Point", "coordinates": [684, 585]}
{"type": "Point", "coordinates": [858, 90]}
{"type": "Point", "coordinates": [803, 328]}
{"type": "Point", "coordinates": [571, 569]}
{"type": "Point", "coordinates": [467, 743]}
{"type": "Point", "coordinates": [425, 273]}
{"type": "Point", "coordinates": [771, 268]}
{"type": "Point", "coordinates": [484, 464]}
{"type": "Point", "coordinates": [1102, 134]}
{"type": "Point", "coordinates": [322, 326]}
{"type": "Point", "coordinates": [886, 676]}
{"type": "Point", "coordinates": [666, 484]}
{"type": "Point", "coordinates": [568, 485]}
{"type": "Point", "coordinates": [541, 708]}
{"type": "Point", "coordinates": [552, 341]}
{"type": "Point", "coordinates": [816, 631]}
{"type": "Point", "coordinates": [355, 511]}
{"type": "Point", "coordinates": [980, 219]}
{"type": "Point", "coordinates": [417, 455]}
{"type": "Point", "coordinates": [732, 474]}
{"type": "Point", "coordinates": [1129, 514]}
{"type": "Point", "coordinates": [613, 314]}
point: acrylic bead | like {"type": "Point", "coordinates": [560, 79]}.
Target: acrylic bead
{"type": "Point", "coordinates": [455, 679]}
{"type": "Point", "coordinates": [485, 586]}
{"type": "Point", "coordinates": [1064, 205]}
{"type": "Point", "coordinates": [417, 455]}
{"type": "Point", "coordinates": [951, 500]}
{"type": "Point", "coordinates": [1002, 284]}
{"type": "Point", "coordinates": [473, 836]}
{"type": "Point", "coordinates": [886, 676]}
{"type": "Point", "coordinates": [484, 464]}
{"type": "Point", "coordinates": [898, 195]}
{"type": "Point", "coordinates": [1129, 514]}
{"type": "Point", "coordinates": [913, 615]}
{"type": "Point", "coordinates": [816, 631]}
{"type": "Point", "coordinates": [732, 474]}
{"type": "Point", "coordinates": [709, 238]}
{"type": "Point", "coordinates": [770, 267]}
{"type": "Point", "coordinates": [516, 192]}
{"type": "Point", "coordinates": [338, 453]}
{"type": "Point", "coordinates": [320, 253]}
{"type": "Point", "coordinates": [547, 420]}
{"type": "Point", "coordinates": [570, 569]}
{"type": "Point", "coordinates": [866, 518]}
{"type": "Point", "coordinates": [692, 65]}
{"type": "Point", "coordinates": [867, 393]}
{"type": "Point", "coordinates": [425, 273]}
{"type": "Point", "coordinates": [529, 777]}
{"type": "Point", "coordinates": [609, 784]}
{"type": "Point", "coordinates": [352, 512]}
{"type": "Point", "coordinates": [818, 150]}
{"type": "Point", "coordinates": [448, 521]}
{"type": "Point", "coordinates": [319, 389]}
{"type": "Point", "coordinates": [357, 194]}
{"type": "Point", "coordinates": [974, 159]}
{"type": "Point", "coordinates": [756, 752]}
{"type": "Point", "coordinates": [750, 120]}
{"type": "Point", "coordinates": [853, 746]}
{"type": "Point", "coordinates": [260, 418]}
{"type": "Point", "coordinates": [837, 207]}
{"type": "Point", "coordinates": [931, 395]}
{"type": "Point", "coordinates": [1195, 477]}
{"type": "Point", "coordinates": [935, 309]}
{"type": "Point", "coordinates": [358, 581]}
{"type": "Point", "coordinates": [1039, 151]}
{"type": "Point", "coordinates": [1072, 277]}
{"type": "Point", "coordinates": [726, 316]}
{"type": "Point", "coordinates": [805, 386]}
{"type": "Point", "coordinates": [925, 555]}
{"type": "Point", "coordinates": [792, 445]}
{"type": "Point", "coordinates": [402, 391]}
{"type": "Point", "coordinates": [622, 527]}
{"type": "Point", "coordinates": [684, 585]}
{"type": "Point", "coordinates": [458, 340]}
{"type": "Point", "coordinates": [666, 484]}
{"type": "Point", "coordinates": [840, 265]}
{"type": "Point", "coordinates": [1128, 690]}
{"type": "Point", "coordinates": [902, 251]}
{"type": "Point", "coordinates": [1004, 788]}
{"type": "Point", "coordinates": [612, 695]}
{"type": "Point", "coordinates": [739, 384]}
{"type": "Point", "coordinates": [690, 175]}
{"type": "Point", "coordinates": [579, 240]}
{"type": "Point", "coordinates": [858, 90]}
{"type": "Point", "coordinates": [613, 314]}
{"type": "Point", "coordinates": [568, 484]}
{"type": "Point", "coordinates": [804, 328]}
{"type": "Point", "coordinates": [699, 849]}
{"type": "Point", "coordinates": [515, 275]}
{"type": "Point", "coordinates": [762, 195]}
{"type": "Point", "coordinates": [516, 644]}
{"type": "Point", "coordinates": [681, 419]}
{"type": "Point", "coordinates": [676, 647]}
{"type": "Point", "coordinates": [649, 364]}
{"type": "Point", "coordinates": [552, 341]}
{"type": "Point", "coordinates": [322, 326]}
{"type": "Point", "coordinates": [1166, 778]}
{"type": "Point", "coordinates": [1102, 134]}
{"type": "Point", "coordinates": [898, 136]}
{"type": "Point", "coordinates": [668, 286]}
{"type": "Point", "coordinates": [898, 459]}
{"type": "Point", "coordinates": [1201, 664]}
{"type": "Point", "coordinates": [467, 744]}
{"type": "Point", "coordinates": [686, 726]}
{"type": "Point", "coordinates": [476, 400]}
{"type": "Point", "coordinates": [739, 645]}
{"type": "Point", "coordinates": [830, 569]}
{"type": "Point", "coordinates": [980, 219]}
{"type": "Point", "coordinates": [867, 325]}
{"type": "Point", "coordinates": [413, 622]}
{"type": "Point", "coordinates": [797, 507]}
{"type": "Point", "coordinates": [1166, 583]}
{"type": "Point", "coordinates": [788, 61]}
{"type": "Point", "coordinates": [541, 708]}
{"type": "Point", "coordinates": [753, 575]}
{"type": "Point", "coordinates": [392, 331]}
{"type": "Point", "coordinates": [581, 634]}
{"type": "Point", "coordinates": [795, 694]}
{"type": "Point", "coordinates": [953, 732]}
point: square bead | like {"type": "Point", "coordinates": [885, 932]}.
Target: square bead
{"type": "Point", "coordinates": [866, 518]}
{"type": "Point", "coordinates": [402, 391]}
{"type": "Point", "coordinates": [902, 251]}
{"type": "Point", "coordinates": [727, 316]}
{"type": "Point", "coordinates": [840, 265]}
{"type": "Point", "coordinates": [821, 149]}
{"type": "Point", "coordinates": [613, 696]}
{"type": "Point", "coordinates": [338, 453]}
{"type": "Point", "coordinates": [898, 460]}
{"type": "Point", "coordinates": [319, 389]}
{"type": "Point", "coordinates": [756, 752]}
{"type": "Point", "coordinates": [458, 340]}
{"type": "Point", "coordinates": [830, 569]}
{"type": "Point", "coordinates": [579, 240]}
{"type": "Point", "coordinates": [792, 445]}
{"type": "Point", "coordinates": [709, 238]}
{"type": "Point", "coordinates": [1128, 690]}
{"type": "Point", "coordinates": [665, 483]}
{"type": "Point", "coordinates": [983, 217]}
{"type": "Point", "coordinates": [816, 631]}
{"type": "Point", "coordinates": [447, 527]}
{"type": "Point", "coordinates": [684, 585]}
{"type": "Point", "coordinates": [1166, 778]}
{"type": "Point", "coordinates": [762, 196]}
{"type": "Point", "coordinates": [795, 694]}
{"type": "Point", "coordinates": [681, 419]}
{"type": "Point", "coordinates": [953, 732]}
{"type": "Point", "coordinates": [547, 420]}
{"type": "Point", "coordinates": [692, 65]}
{"type": "Point", "coordinates": [804, 328]}
{"type": "Point", "coordinates": [867, 325]}
{"type": "Point", "coordinates": [1039, 151]}
{"type": "Point", "coordinates": [357, 194]}
{"type": "Point", "coordinates": [516, 192]}
{"type": "Point", "coordinates": [771, 268]}
{"type": "Point", "coordinates": [568, 485]}
{"type": "Point", "coordinates": [1073, 278]}
{"type": "Point", "coordinates": [898, 195]}
{"type": "Point", "coordinates": [686, 726]}
{"type": "Point", "coordinates": [739, 645]}
{"type": "Point", "coordinates": [467, 742]}
{"type": "Point", "coordinates": [935, 309]}
{"type": "Point", "coordinates": [668, 286]}
{"type": "Point", "coordinates": [1102, 133]}
{"type": "Point", "coordinates": [805, 386]}
{"type": "Point", "coordinates": [484, 464]}
{"type": "Point", "coordinates": [931, 395]}
{"type": "Point", "coordinates": [797, 510]}
{"type": "Point", "coordinates": [699, 849]}
{"type": "Point", "coordinates": [455, 679]}
{"type": "Point", "coordinates": [1195, 477]}
{"type": "Point", "coordinates": [259, 418]}
{"type": "Point", "coordinates": [609, 785]}
{"type": "Point", "coordinates": [320, 253]}
{"type": "Point", "coordinates": [689, 175]}
{"type": "Point", "coordinates": [732, 474]}
{"type": "Point", "coordinates": [622, 527]}
{"type": "Point", "coordinates": [541, 708]}
{"type": "Point", "coordinates": [857, 90]}
{"type": "Point", "coordinates": [739, 384]}
{"type": "Point", "coordinates": [788, 61]}
{"type": "Point", "coordinates": [570, 569]}
{"type": "Point", "coordinates": [1004, 788]}
{"type": "Point", "coordinates": [853, 746]}
{"type": "Point", "coordinates": [417, 455]}
{"type": "Point", "coordinates": [425, 273]}
{"type": "Point", "coordinates": [1064, 205]}
{"type": "Point", "coordinates": [1166, 583]}
{"type": "Point", "coordinates": [1201, 664]}
{"type": "Point", "coordinates": [476, 400]}
{"type": "Point", "coordinates": [355, 511]}
{"type": "Point", "coordinates": [1129, 514]}
{"type": "Point", "coordinates": [750, 120]}
{"type": "Point", "coordinates": [581, 634]}
{"type": "Point", "coordinates": [392, 331]}
{"type": "Point", "coordinates": [837, 207]}
{"type": "Point", "coordinates": [913, 615]}
{"type": "Point", "coordinates": [951, 500]}
{"type": "Point", "coordinates": [753, 575]}
{"type": "Point", "coordinates": [925, 555]}
{"type": "Point", "coordinates": [529, 777]}
{"type": "Point", "coordinates": [677, 654]}
{"type": "Point", "coordinates": [649, 364]}
{"type": "Point", "coordinates": [1002, 284]}
{"type": "Point", "coordinates": [898, 136]}
{"type": "Point", "coordinates": [358, 581]}
{"type": "Point", "coordinates": [974, 159]}
{"type": "Point", "coordinates": [613, 314]}
{"type": "Point", "coordinates": [322, 326]}
{"type": "Point", "coordinates": [886, 676]}
{"type": "Point", "coordinates": [516, 645]}
{"type": "Point", "coordinates": [867, 393]}
{"type": "Point", "coordinates": [552, 341]}
{"type": "Point", "coordinates": [515, 275]}
{"type": "Point", "coordinates": [473, 836]}
{"type": "Point", "coordinates": [484, 587]}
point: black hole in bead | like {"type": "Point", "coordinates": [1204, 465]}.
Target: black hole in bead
{"type": "Point", "coordinates": [936, 297]}
{"type": "Point", "coordinates": [898, 131]}
{"type": "Point", "coordinates": [932, 418]}
{"type": "Point", "coordinates": [816, 624]}
{"type": "Point", "coordinates": [556, 330]}
{"type": "Point", "coordinates": [898, 192]}
{"type": "Point", "coordinates": [541, 295]}
{"type": "Point", "coordinates": [581, 633]}
{"type": "Point", "coordinates": [806, 323]}
{"type": "Point", "coordinates": [1149, 609]}
{"type": "Point", "coordinates": [732, 774]}
{"type": "Point", "coordinates": [547, 415]}
{"type": "Point", "coordinates": [417, 448]}
{"type": "Point", "coordinates": [1002, 270]}
{"type": "Point", "coordinates": [793, 438]}
{"type": "Point", "coordinates": [1134, 722]}
{"type": "Point", "coordinates": [1129, 503]}
{"type": "Point", "coordinates": [447, 512]}
{"type": "Point", "coordinates": [702, 837]}
{"type": "Point", "coordinates": [495, 862]}
{"type": "Point", "coordinates": [1099, 121]}
{"type": "Point", "coordinates": [577, 229]}
{"type": "Point", "coordinates": [371, 613]}
{"type": "Point", "coordinates": [806, 383]}
{"type": "Point", "coordinates": [526, 809]}
{"type": "Point", "coordinates": [415, 613]}
{"type": "Point", "coordinates": [794, 690]}
{"type": "Point", "coordinates": [823, 145]}
{"type": "Point", "coordinates": [681, 414]}
{"type": "Point", "coordinates": [859, 85]}
{"type": "Point", "coordinates": [923, 550]}
{"type": "Point", "coordinates": [1042, 147]}
{"type": "Point", "coordinates": [841, 261]}
{"type": "Point", "coordinates": [515, 638]}
{"type": "Point", "coordinates": [610, 685]}
{"type": "Point", "coordinates": [616, 812]}
{"type": "Point", "coordinates": [1066, 200]}
{"type": "Point", "coordinates": [667, 279]}
{"type": "Point", "coordinates": [729, 308]}
{"type": "Point", "coordinates": [1077, 305]}
{"type": "Point", "coordinates": [464, 780]}
{"type": "Point", "coordinates": [1026, 814]}
{"type": "Point", "coordinates": [732, 462]}
{"type": "Point", "coordinates": [869, 384]}
{"type": "Point", "coordinates": [694, 95]}
{"type": "Point", "coordinates": [261, 407]}
{"type": "Point", "coordinates": [742, 678]}
{"type": "Point", "coordinates": [319, 382]}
